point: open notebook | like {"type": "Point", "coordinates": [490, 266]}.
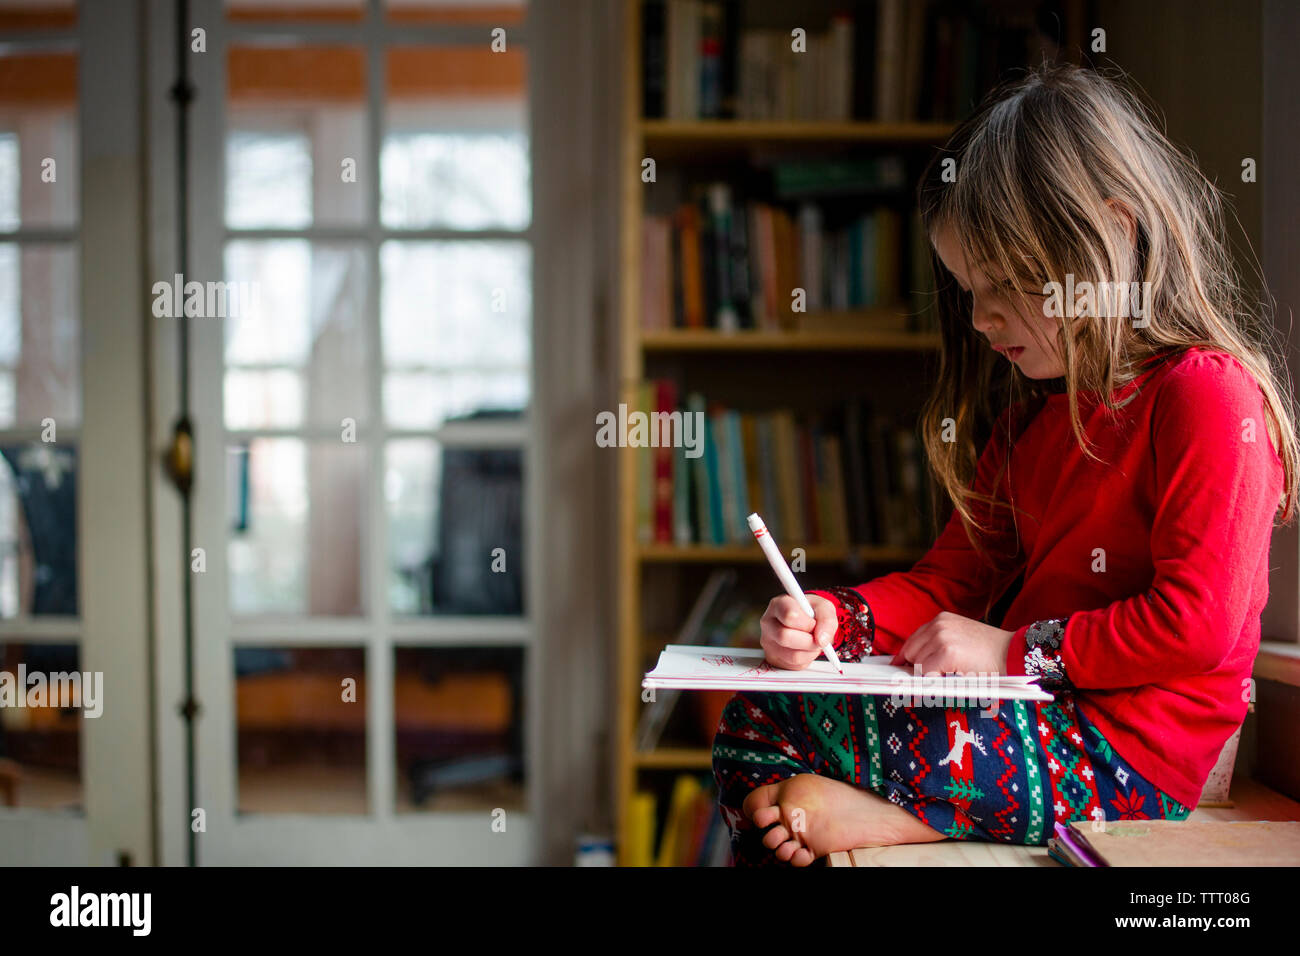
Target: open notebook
{"type": "Point", "coordinates": [742, 668]}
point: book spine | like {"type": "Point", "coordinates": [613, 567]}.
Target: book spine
{"type": "Point", "coordinates": [773, 515]}
{"type": "Point", "coordinates": [858, 492]}
{"type": "Point", "coordinates": [787, 466]}
{"type": "Point", "coordinates": [641, 823]}
{"type": "Point", "coordinates": [856, 294]}
{"type": "Point", "coordinates": [710, 61]}
{"type": "Point", "coordinates": [713, 480]}
{"type": "Point", "coordinates": [674, 31]}
{"type": "Point", "coordinates": [753, 483]}
{"type": "Point", "coordinates": [864, 74]}
{"type": "Point", "coordinates": [822, 495]}
{"type": "Point", "coordinates": [888, 256]}
{"type": "Point", "coordinates": [741, 283]}
{"type": "Point", "coordinates": [730, 56]}
{"type": "Point", "coordinates": [726, 479]}
{"type": "Point", "coordinates": [758, 279]}
{"type": "Point", "coordinates": [889, 68]}
{"type": "Point", "coordinates": [665, 404]}
{"type": "Point", "coordinates": [724, 314]}
{"type": "Point", "coordinates": [774, 304]}
{"type": "Point", "coordinates": [910, 480]}
{"type": "Point", "coordinates": [878, 475]}
{"type": "Point", "coordinates": [786, 251]}
{"type": "Point", "coordinates": [836, 491]}
{"type": "Point", "coordinates": [700, 474]}
{"type": "Point", "coordinates": [810, 254]}
{"type": "Point", "coordinates": [808, 485]}
{"type": "Point", "coordinates": [656, 284]}
{"type": "Point", "coordinates": [840, 96]}
{"type": "Point", "coordinates": [653, 59]}
{"type": "Point", "coordinates": [870, 262]}
{"type": "Point", "coordinates": [736, 448]}
{"type": "Point", "coordinates": [691, 267]}
{"type": "Point", "coordinates": [683, 533]}
{"type": "Point", "coordinates": [645, 472]}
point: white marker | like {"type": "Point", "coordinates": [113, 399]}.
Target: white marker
{"type": "Point", "coordinates": [786, 577]}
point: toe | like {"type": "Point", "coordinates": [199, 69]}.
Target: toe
{"type": "Point", "coordinates": [758, 798]}
{"type": "Point", "coordinates": [766, 816]}
{"type": "Point", "coordinates": [802, 857]}
{"type": "Point", "coordinates": [787, 850]}
{"type": "Point", "coordinates": [774, 837]}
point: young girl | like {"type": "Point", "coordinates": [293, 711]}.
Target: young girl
{"type": "Point", "coordinates": [1137, 445]}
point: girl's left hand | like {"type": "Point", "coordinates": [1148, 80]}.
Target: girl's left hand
{"type": "Point", "coordinates": [952, 644]}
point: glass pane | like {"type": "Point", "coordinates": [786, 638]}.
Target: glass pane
{"type": "Point", "coordinates": [43, 697]}
{"type": "Point", "coordinates": [38, 529]}
{"type": "Point", "coordinates": [315, 10]}
{"type": "Point", "coordinates": [298, 355]}
{"type": "Point", "coordinates": [491, 12]}
{"type": "Point", "coordinates": [268, 179]}
{"type": "Point", "coordinates": [455, 151]}
{"type": "Point", "coordinates": [456, 324]}
{"type": "Point", "coordinates": [295, 137]}
{"type": "Point", "coordinates": [301, 719]}
{"type": "Point", "coordinates": [454, 528]}
{"type": "Point", "coordinates": [38, 139]}
{"type": "Point", "coordinates": [296, 519]}
{"type": "Point", "coordinates": [458, 714]}
{"type": "Point", "coordinates": [40, 351]}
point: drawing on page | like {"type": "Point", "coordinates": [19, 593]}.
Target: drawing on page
{"type": "Point", "coordinates": [718, 660]}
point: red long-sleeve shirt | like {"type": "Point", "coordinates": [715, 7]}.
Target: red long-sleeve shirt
{"type": "Point", "coordinates": [1157, 555]}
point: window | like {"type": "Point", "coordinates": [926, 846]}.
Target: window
{"type": "Point", "coordinates": [375, 388]}
{"type": "Point", "coordinates": [40, 408]}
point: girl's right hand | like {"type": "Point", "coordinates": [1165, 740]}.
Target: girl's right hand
{"type": "Point", "coordinates": [790, 638]}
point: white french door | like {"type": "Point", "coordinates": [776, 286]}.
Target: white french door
{"type": "Point", "coordinates": [361, 170]}
{"type": "Point", "coordinates": [75, 788]}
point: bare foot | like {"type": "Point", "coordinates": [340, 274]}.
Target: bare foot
{"type": "Point", "coordinates": [816, 815]}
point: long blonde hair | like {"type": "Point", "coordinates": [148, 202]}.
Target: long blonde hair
{"type": "Point", "coordinates": [1035, 177]}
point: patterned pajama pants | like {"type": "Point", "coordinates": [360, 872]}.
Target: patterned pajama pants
{"type": "Point", "coordinates": [1005, 778]}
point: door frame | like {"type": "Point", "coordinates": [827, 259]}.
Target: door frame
{"type": "Point", "coordinates": [382, 836]}
{"type": "Point", "coordinates": [113, 478]}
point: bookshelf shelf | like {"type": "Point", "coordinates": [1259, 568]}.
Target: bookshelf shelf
{"type": "Point", "coordinates": [735, 554]}
{"type": "Point", "coordinates": [675, 758]}
{"type": "Point", "coordinates": [706, 340]}
{"type": "Point", "coordinates": [695, 133]}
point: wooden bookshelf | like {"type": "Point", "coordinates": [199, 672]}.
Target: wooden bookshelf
{"type": "Point", "coordinates": [740, 554]}
{"type": "Point", "coordinates": [873, 339]}
{"type": "Point", "coordinates": [710, 341]}
{"type": "Point", "coordinates": [675, 758]}
{"type": "Point", "coordinates": [668, 140]}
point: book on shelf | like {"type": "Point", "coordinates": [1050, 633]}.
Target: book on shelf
{"type": "Point", "coordinates": [640, 830]}
{"type": "Point", "coordinates": [700, 627]}
{"type": "Point", "coordinates": [850, 476]}
{"type": "Point", "coordinates": [722, 265]}
{"type": "Point", "coordinates": [884, 61]}
{"type": "Point", "coordinates": [678, 823]}
{"type": "Point", "coordinates": [693, 832]}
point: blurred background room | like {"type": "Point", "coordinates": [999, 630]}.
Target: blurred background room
{"type": "Point", "coordinates": [363, 586]}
